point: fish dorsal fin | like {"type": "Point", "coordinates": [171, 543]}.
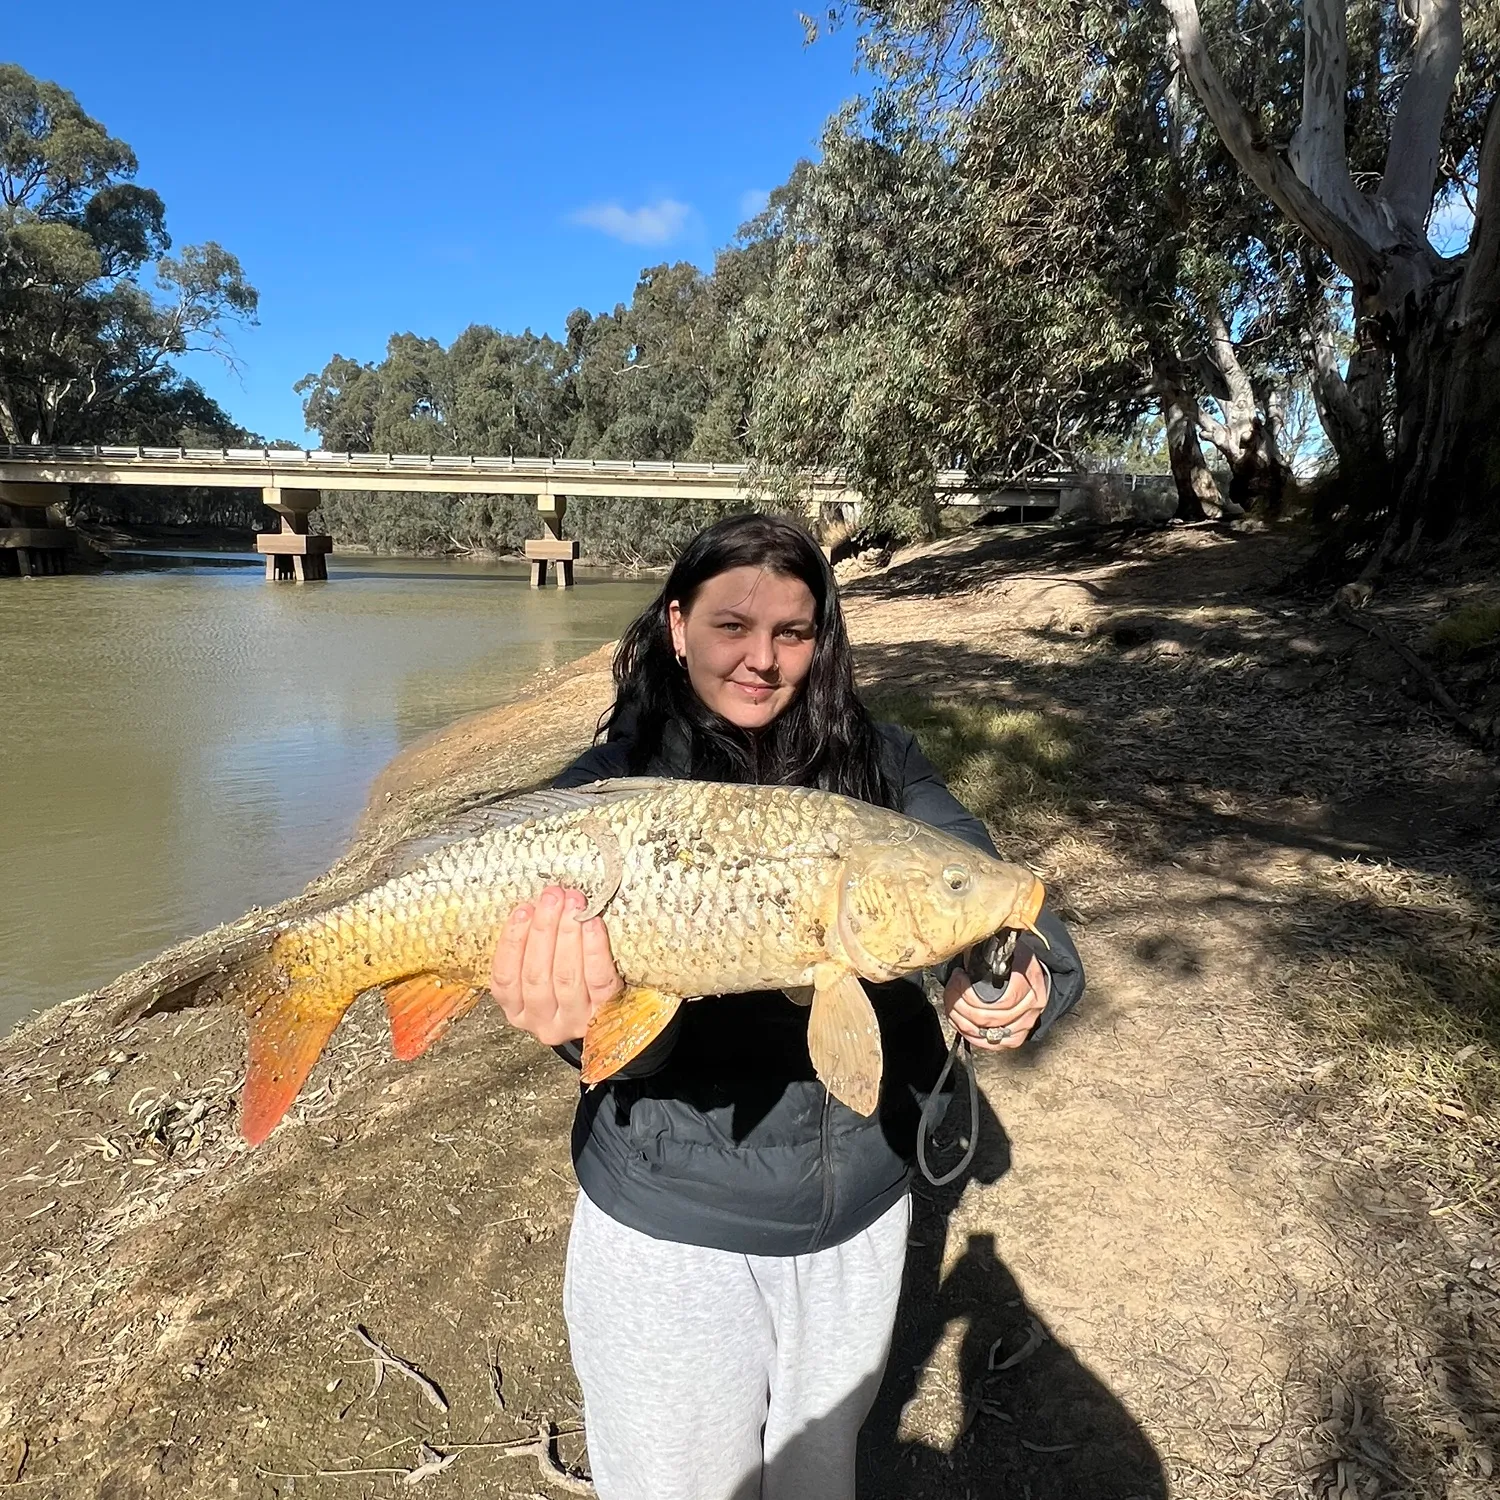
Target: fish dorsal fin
{"type": "Point", "coordinates": [629, 786]}
{"type": "Point", "coordinates": [474, 822]}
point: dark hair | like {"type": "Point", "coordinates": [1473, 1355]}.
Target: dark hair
{"type": "Point", "coordinates": [824, 738]}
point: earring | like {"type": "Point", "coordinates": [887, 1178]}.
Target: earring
{"type": "Point", "coordinates": [682, 661]}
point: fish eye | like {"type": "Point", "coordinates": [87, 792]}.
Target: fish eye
{"type": "Point", "coordinates": [957, 877]}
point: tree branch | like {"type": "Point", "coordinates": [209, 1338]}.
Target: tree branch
{"type": "Point", "coordinates": [1355, 254]}
{"type": "Point", "coordinates": [1318, 152]}
{"type": "Point", "coordinates": [1411, 161]}
{"type": "Point", "coordinates": [1227, 362]}
{"type": "Point", "coordinates": [1219, 435]}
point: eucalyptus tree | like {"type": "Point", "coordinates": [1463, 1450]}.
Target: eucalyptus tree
{"type": "Point", "coordinates": [944, 290]}
{"type": "Point", "coordinates": [86, 348]}
{"type": "Point", "coordinates": [653, 376]}
{"type": "Point", "coordinates": [487, 392]}
{"type": "Point", "coordinates": [1017, 244]}
{"type": "Point", "coordinates": [1398, 124]}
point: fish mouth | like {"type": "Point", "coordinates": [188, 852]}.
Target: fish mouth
{"type": "Point", "coordinates": [1023, 915]}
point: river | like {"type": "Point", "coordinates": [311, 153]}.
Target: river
{"type": "Point", "coordinates": [181, 742]}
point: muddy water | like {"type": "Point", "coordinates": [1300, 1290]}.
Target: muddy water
{"type": "Point", "coordinates": [180, 743]}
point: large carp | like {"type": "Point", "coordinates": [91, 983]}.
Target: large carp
{"type": "Point", "coordinates": [704, 888]}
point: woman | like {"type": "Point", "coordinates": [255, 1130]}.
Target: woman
{"type": "Point", "coordinates": [737, 1248]}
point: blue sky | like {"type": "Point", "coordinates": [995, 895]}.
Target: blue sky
{"type": "Point", "coordinates": [381, 168]}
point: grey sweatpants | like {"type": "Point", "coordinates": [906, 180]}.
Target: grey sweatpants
{"type": "Point", "coordinates": [713, 1376]}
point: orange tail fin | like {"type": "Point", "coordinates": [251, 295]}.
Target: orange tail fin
{"type": "Point", "coordinates": [421, 1010]}
{"type": "Point", "coordinates": [288, 1032]}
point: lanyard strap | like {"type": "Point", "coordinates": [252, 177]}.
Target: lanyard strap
{"type": "Point", "coordinates": [931, 1110]}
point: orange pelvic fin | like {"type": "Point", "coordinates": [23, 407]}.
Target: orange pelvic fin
{"type": "Point", "coordinates": [622, 1029]}
{"type": "Point", "coordinates": [288, 1032]}
{"type": "Point", "coordinates": [421, 1009]}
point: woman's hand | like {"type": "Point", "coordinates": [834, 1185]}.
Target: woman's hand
{"type": "Point", "coordinates": [1021, 1002]}
{"type": "Point", "coordinates": [551, 972]}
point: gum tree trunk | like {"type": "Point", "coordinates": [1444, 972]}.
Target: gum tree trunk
{"type": "Point", "coordinates": [1445, 470]}
{"type": "Point", "coordinates": [1197, 490]}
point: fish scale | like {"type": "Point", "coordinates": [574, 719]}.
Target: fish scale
{"type": "Point", "coordinates": [704, 889]}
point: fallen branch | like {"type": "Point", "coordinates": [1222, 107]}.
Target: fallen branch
{"type": "Point", "coordinates": [497, 1376]}
{"type": "Point", "coordinates": [552, 1470]}
{"type": "Point", "coordinates": [432, 1461]}
{"type": "Point", "coordinates": [385, 1360]}
{"type": "Point", "coordinates": [1482, 735]}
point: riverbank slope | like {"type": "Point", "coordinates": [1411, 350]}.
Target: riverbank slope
{"type": "Point", "coordinates": [1230, 1233]}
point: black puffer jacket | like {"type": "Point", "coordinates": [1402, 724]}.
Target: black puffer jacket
{"type": "Point", "coordinates": [719, 1134]}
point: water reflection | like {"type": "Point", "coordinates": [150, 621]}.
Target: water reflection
{"type": "Point", "coordinates": [178, 744]}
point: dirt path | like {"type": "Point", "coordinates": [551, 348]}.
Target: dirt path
{"type": "Point", "coordinates": [1230, 1234]}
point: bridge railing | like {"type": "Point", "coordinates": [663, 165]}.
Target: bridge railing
{"type": "Point", "coordinates": [957, 486]}
{"type": "Point", "coordinates": [324, 457]}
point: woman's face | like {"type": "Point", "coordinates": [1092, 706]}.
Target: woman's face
{"type": "Point", "coordinates": [747, 639]}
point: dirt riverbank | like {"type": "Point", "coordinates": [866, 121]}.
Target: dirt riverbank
{"type": "Point", "coordinates": [1232, 1233]}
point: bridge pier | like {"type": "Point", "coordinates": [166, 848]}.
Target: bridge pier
{"type": "Point", "coordinates": [291, 553]}
{"type": "Point", "coordinates": [552, 546]}
{"type": "Point", "coordinates": [29, 550]}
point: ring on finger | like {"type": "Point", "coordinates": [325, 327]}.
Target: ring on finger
{"type": "Point", "coordinates": [996, 1033]}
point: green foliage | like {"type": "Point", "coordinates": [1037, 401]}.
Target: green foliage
{"type": "Point", "coordinates": [85, 347]}
{"type": "Point", "coordinates": [951, 290]}
{"type": "Point", "coordinates": [655, 379]}
{"type": "Point", "coordinates": [659, 378]}
{"type": "Point", "coordinates": [1015, 244]}
{"type": "Point", "coordinates": [634, 532]}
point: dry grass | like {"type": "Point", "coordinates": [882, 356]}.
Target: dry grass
{"type": "Point", "coordinates": [1406, 989]}
{"type": "Point", "coordinates": [1015, 767]}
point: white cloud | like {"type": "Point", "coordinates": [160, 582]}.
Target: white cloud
{"type": "Point", "coordinates": [753, 201]}
{"type": "Point", "coordinates": [651, 224]}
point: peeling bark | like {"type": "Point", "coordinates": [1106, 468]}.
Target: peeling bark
{"type": "Point", "coordinates": [1447, 449]}
{"type": "Point", "coordinates": [1479, 298]}
{"type": "Point", "coordinates": [1318, 153]}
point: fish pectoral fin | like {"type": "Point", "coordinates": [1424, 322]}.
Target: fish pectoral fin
{"type": "Point", "coordinates": [288, 1031]}
{"type": "Point", "coordinates": [623, 1028]}
{"type": "Point", "coordinates": [799, 994]}
{"type": "Point", "coordinates": [421, 1009]}
{"type": "Point", "coordinates": [843, 1037]}
{"type": "Point", "coordinates": [614, 865]}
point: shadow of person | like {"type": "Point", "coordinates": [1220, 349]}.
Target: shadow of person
{"type": "Point", "coordinates": [1046, 1428]}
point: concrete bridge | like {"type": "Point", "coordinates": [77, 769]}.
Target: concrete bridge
{"type": "Point", "coordinates": [292, 481]}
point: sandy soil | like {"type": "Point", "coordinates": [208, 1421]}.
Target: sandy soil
{"type": "Point", "coordinates": [1225, 1237]}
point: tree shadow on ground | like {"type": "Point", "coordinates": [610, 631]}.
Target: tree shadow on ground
{"type": "Point", "coordinates": [1045, 1428]}
{"type": "Point", "coordinates": [1132, 550]}
{"type": "Point", "coordinates": [1305, 757]}
{"type": "Point", "coordinates": [1258, 771]}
